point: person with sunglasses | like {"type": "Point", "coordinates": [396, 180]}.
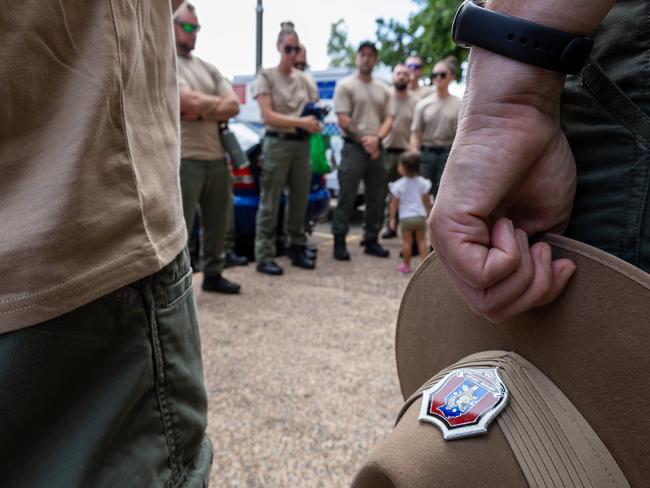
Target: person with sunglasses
{"type": "Point", "coordinates": [434, 123]}
{"type": "Point", "coordinates": [365, 114]}
{"type": "Point", "coordinates": [416, 67]}
{"type": "Point", "coordinates": [206, 99]}
{"type": "Point", "coordinates": [282, 93]}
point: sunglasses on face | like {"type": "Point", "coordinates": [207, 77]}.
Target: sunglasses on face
{"type": "Point", "coordinates": [290, 49]}
{"type": "Point", "coordinates": [442, 75]}
{"type": "Point", "coordinates": [188, 27]}
{"type": "Point", "coordinates": [414, 66]}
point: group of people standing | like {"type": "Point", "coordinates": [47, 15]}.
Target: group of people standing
{"type": "Point", "coordinates": [378, 124]}
{"type": "Point", "coordinates": [382, 126]}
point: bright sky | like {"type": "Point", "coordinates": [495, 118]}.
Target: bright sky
{"type": "Point", "coordinates": [227, 36]}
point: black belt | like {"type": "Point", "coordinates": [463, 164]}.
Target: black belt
{"type": "Point", "coordinates": [394, 150]}
{"type": "Point", "coordinates": [351, 141]}
{"type": "Point", "coordinates": [287, 136]}
{"type": "Point", "coordinates": [435, 149]}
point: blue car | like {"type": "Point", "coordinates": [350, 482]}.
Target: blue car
{"type": "Point", "coordinates": [246, 191]}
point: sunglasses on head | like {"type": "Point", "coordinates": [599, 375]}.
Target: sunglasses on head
{"type": "Point", "coordinates": [290, 49]}
{"type": "Point", "coordinates": [441, 74]}
{"type": "Point", "coordinates": [414, 66]}
{"type": "Point", "coordinates": [188, 27]}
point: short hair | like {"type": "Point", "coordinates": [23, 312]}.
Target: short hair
{"type": "Point", "coordinates": [452, 64]}
{"type": "Point", "coordinates": [369, 44]}
{"type": "Point", "coordinates": [286, 28]}
{"type": "Point", "coordinates": [411, 162]}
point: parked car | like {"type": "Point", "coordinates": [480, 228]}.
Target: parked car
{"type": "Point", "coordinates": [246, 191]}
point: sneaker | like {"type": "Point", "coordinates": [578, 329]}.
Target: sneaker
{"type": "Point", "coordinates": [219, 284]}
{"type": "Point", "coordinates": [404, 268]}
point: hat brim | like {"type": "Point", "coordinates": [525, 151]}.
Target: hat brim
{"type": "Point", "coordinates": [592, 342]}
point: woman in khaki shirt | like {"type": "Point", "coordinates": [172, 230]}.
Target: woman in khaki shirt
{"type": "Point", "coordinates": [434, 123]}
{"type": "Point", "coordinates": [282, 93]}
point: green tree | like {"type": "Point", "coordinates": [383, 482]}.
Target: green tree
{"type": "Point", "coordinates": [339, 49]}
{"type": "Point", "coordinates": [427, 33]}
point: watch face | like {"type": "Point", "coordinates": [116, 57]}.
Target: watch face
{"type": "Point", "coordinates": [454, 26]}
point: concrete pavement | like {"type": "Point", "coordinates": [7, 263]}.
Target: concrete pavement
{"type": "Point", "coordinates": [300, 369]}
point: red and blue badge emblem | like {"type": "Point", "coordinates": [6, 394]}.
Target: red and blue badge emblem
{"type": "Point", "coordinates": [464, 402]}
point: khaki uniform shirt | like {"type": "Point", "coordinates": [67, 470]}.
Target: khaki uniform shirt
{"type": "Point", "coordinates": [289, 94]}
{"type": "Point", "coordinates": [423, 92]}
{"type": "Point", "coordinates": [437, 119]}
{"type": "Point", "coordinates": [400, 133]}
{"type": "Point", "coordinates": [201, 139]}
{"type": "Point", "coordinates": [89, 187]}
{"type": "Point", "coordinates": [366, 103]}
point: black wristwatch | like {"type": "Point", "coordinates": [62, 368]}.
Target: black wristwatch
{"type": "Point", "coordinates": [520, 39]}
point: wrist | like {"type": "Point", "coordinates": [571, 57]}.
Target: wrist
{"type": "Point", "coordinates": [580, 17]}
{"type": "Point", "coordinates": [493, 79]}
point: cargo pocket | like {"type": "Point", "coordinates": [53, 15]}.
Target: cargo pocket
{"type": "Point", "coordinates": [181, 389]}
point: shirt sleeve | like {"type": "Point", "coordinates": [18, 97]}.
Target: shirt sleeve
{"type": "Point", "coordinates": [425, 185]}
{"type": "Point", "coordinates": [417, 118]}
{"type": "Point", "coordinates": [395, 188]}
{"type": "Point", "coordinates": [455, 120]}
{"type": "Point", "coordinates": [391, 106]}
{"type": "Point", "coordinates": [182, 80]}
{"type": "Point", "coordinates": [261, 85]}
{"type": "Point", "coordinates": [342, 99]}
{"type": "Point", "coordinates": [312, 89]}
{"type": "Point", "coordinates": [221, 85]}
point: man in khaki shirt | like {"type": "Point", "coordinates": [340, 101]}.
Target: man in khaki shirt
{"type": "Point", "coordinates": [365, 113]}
{"type": "Point", "coordinates": [397, 140]}
{"type": "Point", "coordinates": [206, 100]}
{"type": "Point", "coordinates": [100, 365]}
{"type": "Point", "coordinates": [416, 67]}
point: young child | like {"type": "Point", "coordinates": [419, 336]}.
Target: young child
{"type": "Point", "coordinates": [411, 198]}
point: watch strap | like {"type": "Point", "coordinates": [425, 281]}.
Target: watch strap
{"type": "Point", "coordinates": [520, 39]}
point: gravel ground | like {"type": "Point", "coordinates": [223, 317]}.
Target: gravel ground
{"type": "Point", "coordinates": [300, 369]}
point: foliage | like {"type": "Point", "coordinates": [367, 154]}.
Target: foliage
{"type": "Point", "coordinates": [427, 33]}
{"type": "Point", "coordinates": [339, 49]}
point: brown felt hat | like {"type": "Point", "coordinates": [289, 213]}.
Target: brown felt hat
{"type": "Point", "coordinates": [577, 372]}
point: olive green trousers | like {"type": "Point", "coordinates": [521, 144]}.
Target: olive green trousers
{"type": "Point", "coordinates": [605, 117]}
{"type": "Point", "coordinates": [208, 186]}
{"type": "Point", "coordinates": [432, 164]}
{"type": "Point", "coordinates": [110, 394]}
{"type": "Point", "coordinates": [286, 163]}
{"type": "Point", "coordinates": [356, 165]}
{"type": "Point", "coordinates": [391, 159]}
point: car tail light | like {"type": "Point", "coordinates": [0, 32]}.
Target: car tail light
{"type": "Point", "coordinates": [243, 179]}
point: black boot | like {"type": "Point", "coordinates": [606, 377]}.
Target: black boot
{"type": "Point", "coordinates": [269, 267]}
{"type": "Point", "coordinates": [233, 260]}
{"type": "Point", "coordinates": [340, 251]}
{"type": "Point", "coordinates": [373, 248]}
{"type": "Point", "coordinates": [296, 253]}
{"type": "Point", "coordinates": [219, 284]}
{"type": "Point", "coordinates": [311, 252]}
